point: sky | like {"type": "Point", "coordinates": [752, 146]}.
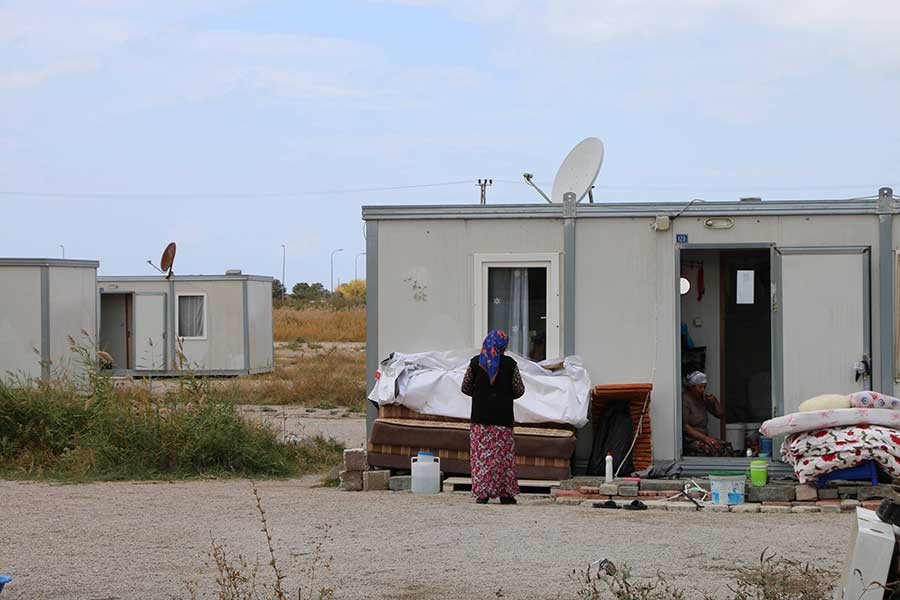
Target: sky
{"type": "Point", "coordinates": [232, 127]}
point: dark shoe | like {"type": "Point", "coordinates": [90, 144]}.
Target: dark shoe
{"type": "Point", "coordinates": [508, 500]}
{"type": "Point", "coordinates": [608, 504]}
{"type": "Point", "coordinates": [636, 505]}
{"type": "Point", "coordinates": [481, 500]}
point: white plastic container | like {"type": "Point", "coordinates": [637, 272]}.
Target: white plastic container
{"type": "Point", "coordinates": [735, 434]}
{"type": "Point", "coordinates": [868, 562]}
{"type": "Point", "coordinates": [426, 473]}
{"type": "Point", "coordinates": [608, 470]}
{"type": "Point", "coordinates": [727, 488]}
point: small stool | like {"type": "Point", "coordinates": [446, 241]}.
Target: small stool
{"type": "Point", "coordinates": [865, 470]}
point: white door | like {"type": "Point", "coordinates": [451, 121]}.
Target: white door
{"type": "Point", "coordinates": [150, 332]}
{"type": "Point", "coordinates": [823, 317]}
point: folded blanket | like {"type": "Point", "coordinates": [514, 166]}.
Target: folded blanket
{"type": "Point", "coordinates": [815, 453]}
{"type": "Point", "coordinates": [874, 400]}
{"type": "Point", "coordinates": [824, 419]}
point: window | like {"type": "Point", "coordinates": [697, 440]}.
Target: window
{"type": "Point", "coordinates": [519, 293]}
{"type": "Point", "coordinates": [192, 316]}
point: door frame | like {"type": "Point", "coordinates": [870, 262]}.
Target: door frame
{"type": "Point", "coordinates": [548, 260]}
{"type": "Point", "coordinates": [778, 315]}
{"type": "Point", "coordinates": [165, 332]}
{"type": "Point", "coordinates": [129, 324]}
{"type": "Point", "coordinates": [679, 248]}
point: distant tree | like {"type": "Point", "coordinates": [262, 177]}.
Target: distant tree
{"type": "Point", "coordinates": [354, 290]}
{"type": "Point", "coordinates": [277, 290]}
{"type": "Point", "coordinates": [310, 292]}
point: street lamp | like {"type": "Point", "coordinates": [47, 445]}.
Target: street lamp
{"type": "Point", "coordinates": [63, 250]}
{"type": "Point", "coordinates": [332, 267]}
{"type": "Point", "coordinates": [283, 261]}
{"type": "Point", "coordinates": [356, 266]}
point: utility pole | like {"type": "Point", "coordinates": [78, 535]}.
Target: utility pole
{"type": "Point", "coordinates": [283, 261]}
{"type": "Point", "coordinates": [483, 184]}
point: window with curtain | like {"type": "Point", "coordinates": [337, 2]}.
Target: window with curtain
{"type": "Point", "coordinates": [191, 316]}
{"type": "Point", "coordinates": [517, 304]}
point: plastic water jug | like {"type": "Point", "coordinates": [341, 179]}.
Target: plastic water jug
{"type": "Point", "coordinates": [426, 473]}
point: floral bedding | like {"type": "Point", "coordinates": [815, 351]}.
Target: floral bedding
{"type": "Point", "coordinates": [816, 453]}
{"type": "Point", "coordinates": [824, 419]}
{"type": "Point", "coordinates": [874, 400]}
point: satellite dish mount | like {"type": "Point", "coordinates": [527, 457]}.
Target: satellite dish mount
{"type": "Point", "coordinates": [166, 262]}
{"type": "Point", "coordinates": [576, 174]}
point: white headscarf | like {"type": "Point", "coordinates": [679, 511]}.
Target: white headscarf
{"type": "Point", "coordinates": [695, 378]}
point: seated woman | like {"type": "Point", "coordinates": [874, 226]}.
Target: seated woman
{"type": "Point", "coordinates": [696, 406]}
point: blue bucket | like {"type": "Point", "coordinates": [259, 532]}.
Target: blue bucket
{"type": "Point", "coordinates": [4, 579]}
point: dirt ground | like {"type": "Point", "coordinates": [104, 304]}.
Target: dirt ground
{"type": "Point", "coordinates": [346, 427]}
{"type": "Point", "coordinates": [146, 540]}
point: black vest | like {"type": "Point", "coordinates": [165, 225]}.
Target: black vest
{"type": "Point", "coordinates": [493, 404]}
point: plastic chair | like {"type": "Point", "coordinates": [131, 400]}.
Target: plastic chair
{"type": "Point", "coordinates": [865, 470]}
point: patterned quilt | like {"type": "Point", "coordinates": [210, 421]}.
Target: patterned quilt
{"type": "Point", "coordinates": [816, 453]}
{"type": "Point", "coordinates": [833, 417]}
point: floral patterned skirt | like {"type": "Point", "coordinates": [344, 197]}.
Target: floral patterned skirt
{"type": "Point", "coordinates": [493, 462]}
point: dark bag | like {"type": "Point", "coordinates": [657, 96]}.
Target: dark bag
{"type": "Point", "coordinates": [615, 436]}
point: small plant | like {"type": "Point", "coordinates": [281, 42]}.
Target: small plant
{"type": "Point", "coordinates": [610, 582]}
{"type": "Point", "coordinates": [777, 578]}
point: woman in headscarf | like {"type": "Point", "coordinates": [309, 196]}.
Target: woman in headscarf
{"type": "Point", "coordinates": [493, 381]}
{"type": "Point", "coordinates": [696, 406]}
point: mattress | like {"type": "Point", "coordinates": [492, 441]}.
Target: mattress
{"type": "Point", "coordinates": [815, 453]}
{"type": "Point", "coordinates": [825, 419]}
{"type": "Point", "coordinates": [399, 433]}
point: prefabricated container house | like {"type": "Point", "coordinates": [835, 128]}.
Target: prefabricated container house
{"type": "Point", "coordinates": [45, 303]}
{"type": "Point", "coordinates": [780, 301]}
{"type": "Point", "coordinates": [210, 324]}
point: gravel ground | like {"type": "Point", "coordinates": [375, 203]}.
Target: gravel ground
{"type": "Point", "coordinates": [347, 428]}
{"type": "Point", "coordinates": [145, 540]}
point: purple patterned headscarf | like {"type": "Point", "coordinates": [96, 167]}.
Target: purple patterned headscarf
{"type": "Point", "coordinates": [491, 350]}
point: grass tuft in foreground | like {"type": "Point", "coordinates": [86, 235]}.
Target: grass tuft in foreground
{"type": "Point", "coordinates": [88, 429]}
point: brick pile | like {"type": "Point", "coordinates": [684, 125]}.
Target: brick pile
{"type": "Point", "coordinates": [775, 498]}
{"type": "Point", "coordinates": [356, 476]}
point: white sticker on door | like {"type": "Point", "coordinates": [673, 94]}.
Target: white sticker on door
{"type": "Point", "coordinates": [745, 287]}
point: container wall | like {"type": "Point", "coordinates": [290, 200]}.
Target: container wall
{"type": "Point", "coordinates": [73, 317]}
{"type": "Point", "coordinates": [426, 276]}
{"type": "Point", "coordinates": [20, 322]}
{"type": "Point", "coordinates": [259, 297]}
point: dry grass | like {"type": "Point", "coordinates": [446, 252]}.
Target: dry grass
{"type": "Point", "coordinates": [314, 376]}
{"type": "Point", "coordinates": [319, 324]}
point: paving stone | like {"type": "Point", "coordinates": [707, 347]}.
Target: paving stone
{"type": "Point", "coordinates": [775, 509]}
{"type": "Point", "coordinates": [376, 481]}
{"type": "Point", "coordinates": [657, 504]}
{"type": "Point", "coordinates": [746, 508]}
{"type": "Point", "coordinates": [569, 500]}
{"type": "Point", "coordinates": [589, 489]}
{"type": "Point", "coordinates": [848, 491]}
{"type": "Point", "coordinates": [352, 481]}
{"type": "Point", "coordinates": [806, 493]}
{"type": "Point", "coordinates": [830, 508]}
{"type": "Point", "coordinates": [828, 494]}
{"type": "Point", "coordinates": [808, 509]}
{"type": "Point", "coordinates": [771, 493]}
{"type": "Point", "coordinates": [777, 503]}
{"type": "Point", "coordinates": [682, 506]}
{"type": "Point", "coordinates": [829, 503]}
{"type": "Point", "coordinates": [578, 482]}
{"type": "Point", "coordinates": [401, 483]}
{"type": "Point", "coordinates": [628, 491]}
{"type": "Point", "coordinates": [609, 489]}
{"type": "Point", "coordinates": [875, 491]}
{"type": "Point", "coordinates": [561, 493]}
{"type": "Point", "coordinates": [355, 459]}
{"type": "Point", "coordinates": [849, 505]}
{"type": "Point", "coordinates": [716, 508]}
{"type": "Point", "coordinates": [661, 485]}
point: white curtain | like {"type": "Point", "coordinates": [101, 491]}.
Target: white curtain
{"type": "Point", "coordinates": [190, 316]}
{"type": "Point", "coordinates": [508, 306]}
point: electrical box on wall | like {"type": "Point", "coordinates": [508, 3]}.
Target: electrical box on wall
{"type": "Point", "coordinates": [662, 223]}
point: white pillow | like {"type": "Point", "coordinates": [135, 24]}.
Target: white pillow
{"type": "Point", "coordinates": [825, 402]}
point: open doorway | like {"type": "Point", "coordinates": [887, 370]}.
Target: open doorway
{"type": "Point", "coordinates": [116, 324]}
{"type": "Point", "coordinates": [726, 335]}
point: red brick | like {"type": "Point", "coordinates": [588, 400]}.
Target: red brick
{"type": "Point", "coordinates": [589, 490]}
{"type": "Point", "coordinates": [870, 504]}
{"type": "Point", "coordinates": [828, 503]}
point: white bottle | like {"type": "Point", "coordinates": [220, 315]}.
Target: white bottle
{"type": "Point", "coordinates": [609, 468]}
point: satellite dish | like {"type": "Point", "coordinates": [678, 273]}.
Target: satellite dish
{"type": "Point", "coordinates": [168, 257]}
{"type": "Point", "coordinates": [579, 170]}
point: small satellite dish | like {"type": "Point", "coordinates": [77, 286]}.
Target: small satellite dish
{"type": "Point", "coordinates": [579, 170]}
{"type": "Point", "coordinates": [168, 257]}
